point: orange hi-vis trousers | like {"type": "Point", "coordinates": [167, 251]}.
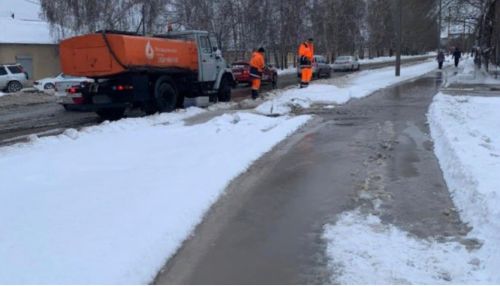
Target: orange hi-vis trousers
{"type": "Point", "coordinates": [306, 75]}
{"type": "Point", "coordinates": [256, 83]}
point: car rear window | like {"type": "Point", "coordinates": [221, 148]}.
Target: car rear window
{"type": "Point", "coordinates": [3, 71]}
{"type": "Point", "coordinates": [15, 69]}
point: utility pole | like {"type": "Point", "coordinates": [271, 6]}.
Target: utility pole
{"type": "Point", "coordinates": [399, 21]}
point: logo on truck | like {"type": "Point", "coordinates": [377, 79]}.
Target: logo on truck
{"type": "Point", "coordinates": [150, 53]}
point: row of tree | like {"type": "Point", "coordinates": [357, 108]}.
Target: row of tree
{"type": "Point", "coordinates": [362, 27]}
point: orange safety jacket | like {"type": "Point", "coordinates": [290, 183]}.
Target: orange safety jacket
{"type": "Point", "coordinates": [306, 54]}
{"type": "Point", "coordinates": [257, 65]}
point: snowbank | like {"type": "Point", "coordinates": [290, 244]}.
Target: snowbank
{"type": "Point", "coordinates": [110, 204]}
{"type": "Point", "coordinates": [380, 60]}
{"type": "Point", "coordinates": [360, 85]}
{"type": "Point", "coordinates": [467, 144]}
{"type": "Point", "coordinates": [1, 94]}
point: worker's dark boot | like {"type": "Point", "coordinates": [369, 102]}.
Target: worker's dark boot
{"type": "Point", "coordinates": [255, 94]}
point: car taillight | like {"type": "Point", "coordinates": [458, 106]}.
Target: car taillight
{"type": "Point", "coordinates": [72, 90]}
{"type": "Point", "coordinates": [122, 87]}
{"type": "Point", "coordinates": [77, 100]}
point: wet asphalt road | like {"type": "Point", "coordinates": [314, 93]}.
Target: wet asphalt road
{"type": "Point", "coordinates": [373, 151]}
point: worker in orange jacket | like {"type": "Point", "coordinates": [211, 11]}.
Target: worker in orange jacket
{"type": "Point", "coordinates": [306, 54]}
{"type": "Point", "coordinates": [257, 65]}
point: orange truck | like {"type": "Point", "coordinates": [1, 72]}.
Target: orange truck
{"type": "Point", "coordinates": [155, 73]}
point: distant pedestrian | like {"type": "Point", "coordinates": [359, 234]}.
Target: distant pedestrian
{"type": "Point", "coordinates": [257, 65]}
{"type": "Point", "coordinates": [457, 54]}
{"type": "Point", "coordinates": [306, 54]}
{"type": "Point", "coordinates": [440, 59]}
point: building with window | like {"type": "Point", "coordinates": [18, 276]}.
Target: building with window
{"type": "Point", "coordinates": [25, 39]}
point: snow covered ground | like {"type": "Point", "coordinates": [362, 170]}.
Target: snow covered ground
{"type": "Point", "coordinates": [1, 94]}
{"type": "Point", "coordinates": [393, 59]}
{"type": "Point", "coordinates": [363, 250]}
{"type": "Point", "coordinates": [359, 85]}
{"type": "Point", "coordinates": [111, 203]}
{"type": "Point", "coordinates": [468, 74]}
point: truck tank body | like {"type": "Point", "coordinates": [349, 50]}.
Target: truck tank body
{"type": "Point", "coordinates": [93, 56]}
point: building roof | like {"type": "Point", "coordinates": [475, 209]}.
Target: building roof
{"type": "Point", "coordinates": [20, 23]}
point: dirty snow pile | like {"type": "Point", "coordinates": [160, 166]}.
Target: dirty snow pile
{"type": "Point", "coordinates": [110, 204]}
{"type": "Point", "coordinates": [364, 250]}
{"type": "Point", "coordinates": [468, 74]}
{"type": "Point", "coordinates": [360, 85]}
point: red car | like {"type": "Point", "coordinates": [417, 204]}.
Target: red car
{"type": "Point", "coordinates": [241, 72]}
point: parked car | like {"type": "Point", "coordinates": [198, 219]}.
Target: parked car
{"type": "Point", "coordinates": [71, 98]}
{"type": "Point", "coordinates": [49, 83]}
{"type": "Point", "coordinates": [344, 63]}
{"type": "Point", "coordinates": [12, 77]}
{"type": "Point", "coordinates": [68, 92]}
{"type": "Point", "coordinates": [241, 72]}
{"type": "Point", "coordinates": [320, 67]}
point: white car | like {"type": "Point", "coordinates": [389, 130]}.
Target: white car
{"type": "Point", "coordinates": [346, 63]}
{"type": "Point", "coordinates": [49, 83]}
{"type": "Point", "coordinates": [12, 78]}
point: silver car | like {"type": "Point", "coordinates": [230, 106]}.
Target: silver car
{"type": "Point", "coordinates": [12, 78]}
{"type": "Point", "coordinates": [344, 63]}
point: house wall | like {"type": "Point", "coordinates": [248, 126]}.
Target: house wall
{"type": "Point", "coordinates": [45, 58]}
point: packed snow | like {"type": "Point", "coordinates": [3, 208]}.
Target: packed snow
{"type": "Point", "coordinates": [364, 250]}
{"type": "Point", "coordinates": [111, 203]}
{"type": "Point", "coordinates": [359, 85]}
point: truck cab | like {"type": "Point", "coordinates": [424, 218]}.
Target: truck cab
{"type": "Point", "coordinates": [210, 60]}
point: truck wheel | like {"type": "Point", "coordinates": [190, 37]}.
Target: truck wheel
{"type": "Point", "coordinates": [224, 94]}
{"type": "Point", "coordinates": [165, 96]}
{"type": "Point", "coordinates": [111, 113]}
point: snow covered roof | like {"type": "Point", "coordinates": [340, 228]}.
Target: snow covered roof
{"type": "Point", "coordinates": [21, 23]}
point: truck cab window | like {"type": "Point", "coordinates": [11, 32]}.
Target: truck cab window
{"type": "Point", "coordinates": [205, 45]}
